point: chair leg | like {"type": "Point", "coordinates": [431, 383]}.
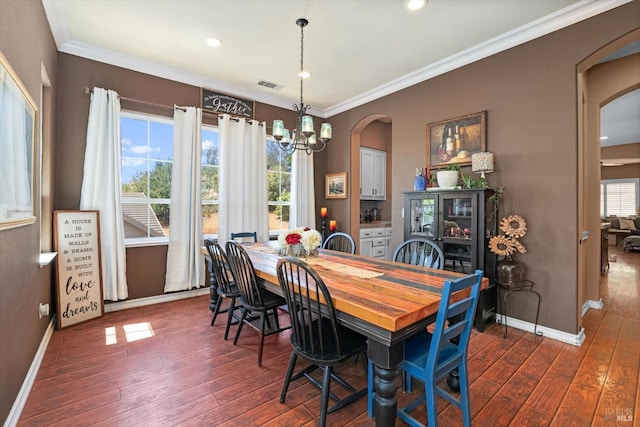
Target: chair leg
{"type": "Point", "coordinates": [287, 377]}
{"type": "Point", "coordinates": [232, 308]}
{"type": "Point", "coordinates": [217, 310]}
{"type": "Point", "coordinates": [240, 324]}
{"type": "Point", "coordinates": [370, 393]}
{"type": "Point", "coordinates": [324, 402]}
{"type": "Point", "coordinates": [465, 405]}
{"type": "Point", "coordinates": [430, 398]}
{"type": "Point", "coordinates": [263, 316]}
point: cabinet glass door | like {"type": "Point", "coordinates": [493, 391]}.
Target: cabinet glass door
{"type": "Point", "coordinates": [458, 226]}
{"type": "Point", "coordinates": [423, 214]}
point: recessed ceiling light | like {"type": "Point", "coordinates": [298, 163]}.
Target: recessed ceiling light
{"type": "Point", "coordinates": [604, 137]}
{"type": "Point", "coordinates": [416, 4]}
{"type": "Point", "coordinates": [304, 74]}
{"type": "Point", "coordinates": [214, 42]}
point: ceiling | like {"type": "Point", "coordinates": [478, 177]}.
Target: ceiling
{"type": "Point", "coordinates": [356, 50]}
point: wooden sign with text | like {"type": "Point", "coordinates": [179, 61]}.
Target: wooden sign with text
{"type": "Point", "coordinates": [220, 103]}
{"type": "Point", "coordinates": [76, 237]}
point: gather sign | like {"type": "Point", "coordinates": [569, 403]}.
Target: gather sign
{"type": "Point", "coordinates": [225, 104]}
{"type": "Point", "coordinates": [79, 278]}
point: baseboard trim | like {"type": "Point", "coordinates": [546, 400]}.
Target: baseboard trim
{"type": "Point", "coordinates": [32, 373]}
{"type": "Point", "coordinates": [157, 299]}
{"type": "Point", "coordinates": [598, 305]}
{"type": "Point", "coordinates": [573, 339]}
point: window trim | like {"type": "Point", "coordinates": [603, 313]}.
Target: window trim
{"type": "Point", "coordinates": [603, 195]}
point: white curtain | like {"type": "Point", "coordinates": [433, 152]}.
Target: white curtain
{"type": "Point", "coordinates": [243, 178]}
{"type": "Point", "coordinates": [184, 262]}
{"type": "Point", "coordinates": [15, 160]}
{"type": "Point", "coordinates": [101, 188]}
{"type": "Point", "coordinates": [302, 191]}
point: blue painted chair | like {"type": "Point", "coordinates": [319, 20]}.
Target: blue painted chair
{"type": "Point", "coordinates": [429, 357]}
{"type": "Point", "coordinates": [419, 251]}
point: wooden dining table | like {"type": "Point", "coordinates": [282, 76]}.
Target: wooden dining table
{"type": "Point", "coordinates": [385, 301]}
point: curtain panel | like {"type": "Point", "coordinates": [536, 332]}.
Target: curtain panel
{"type": "Point", "coordinates": [243, 178]}
{"type": "Point", "coordinates": [185, 268]}
{"type": "Point", "coordinates": [101, 188]}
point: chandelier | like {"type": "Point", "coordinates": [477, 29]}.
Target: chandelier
{"type": "Point", "coordinates": [303, 137]}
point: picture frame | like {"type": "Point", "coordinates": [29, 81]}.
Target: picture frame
{"type": "Point", "coordinates": [336, 185]}
{"type": "Point", "coordinates": [18, 145]}
{"type": "Point", "coordinates": [453, 141]}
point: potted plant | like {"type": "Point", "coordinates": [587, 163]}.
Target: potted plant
{"type": "Point", "coordinates": [448, 178]}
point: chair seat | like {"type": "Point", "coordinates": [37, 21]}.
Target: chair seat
{"type": "Point", "coordinates": [269, 300]}
{"type": "Point", "coordinates": [351, 343]}
{"type": "Point", "coordinates": [416, 350]}
{"type": "Point", "coordinates": [234, 292]}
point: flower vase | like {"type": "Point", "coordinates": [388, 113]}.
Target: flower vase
{"type": "Point", "coordinates": [297, 250]}
{"type": "Point", "coordinates": [510, 271]}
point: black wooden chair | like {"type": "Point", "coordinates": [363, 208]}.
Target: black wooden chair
{"type": "Point", "coordinates": [316, 335]}
{"type": "Point", "coordinates": [226, 287]}
{"type": "Point", "coordinates": [341, 242]}
{"type": "Point", "coordinates": [419, 251]}
{"type": "Point", "coordinates": [257, 302]}
{"type": "Point", "coordinates": [213, 294]}
{"type": "Point", "coordinates": [245, 235]}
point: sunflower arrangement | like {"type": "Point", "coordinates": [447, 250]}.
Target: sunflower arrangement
{"type": "Point", "coordinates": [514, 227]}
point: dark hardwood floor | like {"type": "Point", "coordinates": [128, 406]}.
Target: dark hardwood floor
{"type": "Point", "coordinates": [175, 369]}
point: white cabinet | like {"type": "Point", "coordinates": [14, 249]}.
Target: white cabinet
{"type": "Point", "coordinates": [373, 243]}
{"type": "Point", "coordinates": [373, 174]}
{"type": "Point", "coordinates": [387, 238]}
{"type": "Point", "coordinates": [366, 242]}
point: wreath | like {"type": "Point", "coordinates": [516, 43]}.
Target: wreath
{"type": "Point", "coordinates": [513, 227]}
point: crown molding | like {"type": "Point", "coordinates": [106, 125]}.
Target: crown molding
{"type": "Point", "coordinates": [535, 29]}
{"type": "Point", "coordinates": [568, 16]}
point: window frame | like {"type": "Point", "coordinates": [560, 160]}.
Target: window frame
{"type": "Point", "coordinates": [603, 194]}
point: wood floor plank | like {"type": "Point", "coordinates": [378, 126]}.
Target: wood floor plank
{"type": "Point", "coordinates": [186, 374]}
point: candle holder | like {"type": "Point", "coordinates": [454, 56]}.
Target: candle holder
{"type": "Point", "coordinates": [323, 226]}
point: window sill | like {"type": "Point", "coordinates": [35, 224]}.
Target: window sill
{"type": "Point", "coordinates": [46, 258]}
{"type": "Point", "coordinates": [141, 243]}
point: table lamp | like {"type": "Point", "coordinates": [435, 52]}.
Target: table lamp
{"type": "Point", "coordinates": [482, 162]}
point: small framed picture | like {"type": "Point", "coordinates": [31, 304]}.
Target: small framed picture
{"type": "Point", "coordinates": [336, 186]}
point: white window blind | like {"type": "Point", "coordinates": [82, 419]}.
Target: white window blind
{"type": "Point", "coordinates": [619, 197]}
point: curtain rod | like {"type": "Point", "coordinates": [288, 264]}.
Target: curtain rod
{"type": "Point", "coordinates": [153, 104]}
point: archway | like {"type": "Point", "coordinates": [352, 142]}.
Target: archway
{"type": "Point", "coordinates": [354, 184]}
{"type": "Point", "coordinates": [597, 84]}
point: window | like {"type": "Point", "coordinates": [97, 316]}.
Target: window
{"type": "Point", "coordinates": [147, 161]}
{"type": "Point", "coordinates": [279, 186]}
{"type": "Point", "coordinates": [619, 197]}
{"type": "Point", "coordinates": [210, 179]}
{"type": "Point", "coordinates": [147, 152]}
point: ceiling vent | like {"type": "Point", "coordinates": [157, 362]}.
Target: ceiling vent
{"type": "Point", "coordinates": [270, 85]}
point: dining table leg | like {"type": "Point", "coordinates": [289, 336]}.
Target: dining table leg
{"type": "Point", "coordinates": [386, 359]}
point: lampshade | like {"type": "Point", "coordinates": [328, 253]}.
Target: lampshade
{"type": "Point", "coordinates": [482, 162]}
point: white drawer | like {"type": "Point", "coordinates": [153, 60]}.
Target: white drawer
{"type": "Point", "coordinates": [378, 252]}
{"type": "Point", "coordinates": [379, 242]}
{"type": "Point", "coordinates": [387, 231]}
{"type": "Point", "coordinates": [378, 232]}
{"type": "Point", "coordinates": [366, 232]}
